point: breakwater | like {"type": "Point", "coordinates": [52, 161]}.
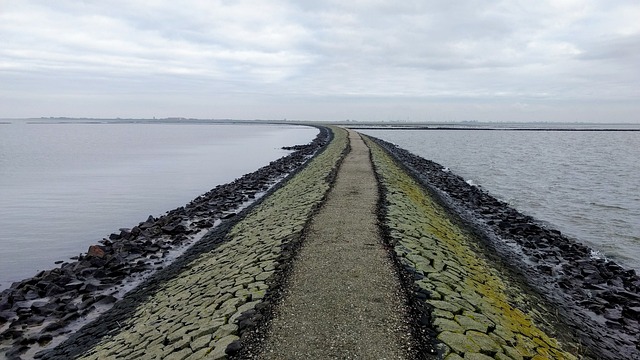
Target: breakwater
{"type": "Point", "coordinates": [207, 301]}
{"type": "Point", "coordinates": [592, 301]}
{"type": "Point", "coordinates": [472, 272]}
{"type": "Point", "coordinates": [36, 311]}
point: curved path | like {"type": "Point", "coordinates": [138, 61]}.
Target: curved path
{"type": "Point", "coordinates": [344, 299]}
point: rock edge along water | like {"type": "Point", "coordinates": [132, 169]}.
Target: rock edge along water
{"type": "Point", "coordinates": [35, 311]}
{"type": "Point", "coordinates": [39, 309]}
{"type": "Point", "coordinates": [598, 300]}
{"type": "Point", "coordinates": [208, 302]}
{"type": "Point", "coordinates": [475, 310]}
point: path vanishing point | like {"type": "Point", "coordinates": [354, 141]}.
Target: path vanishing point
{"type": "Point", "coordinates": [344, 299]}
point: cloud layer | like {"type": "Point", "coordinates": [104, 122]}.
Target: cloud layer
{"type": "Point", "coordinates": [566, 60]}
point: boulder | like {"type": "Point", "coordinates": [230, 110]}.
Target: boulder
{"type": "Point", "coordinates": [96, 251]}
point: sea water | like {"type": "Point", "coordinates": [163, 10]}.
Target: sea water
{"type": "Point", "coordinates": [584, 183]}
{"type": "Point", "coordinates": [65, 186]}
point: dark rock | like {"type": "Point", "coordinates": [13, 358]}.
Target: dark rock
{"type": "Point", "coordinates": [96, 251]}
{"type": "Point", "coordinates": [35, 320]}
{"type": "Point", "coordinates": [5, 303]}
{"type": "Point", "coordinates": [105, 300]}
{"type": "Point", "coordinates": [53, 289]}
{"type": "Point", "coordinates": [13, 334]}
{"type": "Point", "coordinates": [16, 352]}
{"type": "Point", "coordinates": [31, 295]}
{"type": "Point", "coordinates": [66, 308]}
{"type": "Point", "coordinates": [632, 312]}
{"type": "Point", "coordinates": [173, 230]}
{"type": "Point", "coordinates": [233, 348]}
{"type": "Point", "coordinates": [86, 303]}
{"type": "Point", "coordinates": [43, 339]}
{"type": "Point", "coordinates": [6, 316]}
{"type": "Point", "coordinates": [54, 326]}
{"type": "Point", "coordinates": [613, 314]}
{"type": "Point", "coordinates": [75, 284]}
{"type": "Point", "coordinates": [70, 317]}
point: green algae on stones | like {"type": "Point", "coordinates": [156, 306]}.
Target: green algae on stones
{"type": "Point", "coordinates": [466, 288]}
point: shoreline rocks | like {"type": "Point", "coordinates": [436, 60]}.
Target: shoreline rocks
{"type": "Point", "coordinates": [34, 311]}
{"type": "Point", "coordinates": [212, 297]}
{"type": "Point", "coordinates": [597, 300]}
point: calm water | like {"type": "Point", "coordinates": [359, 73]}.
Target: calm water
{"type": "Point", "coordinates": [586, 184]}
{"type": "Point", "coordinates": [64, 187]}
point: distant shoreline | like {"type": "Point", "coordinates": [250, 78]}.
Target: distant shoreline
{"type": "Point", "coordinates": [356, 125]}
{"type": "Point", "coordinates": [486, 128]}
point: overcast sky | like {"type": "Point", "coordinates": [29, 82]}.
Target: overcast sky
{"type": "Point", "coordinates": [556, 60]}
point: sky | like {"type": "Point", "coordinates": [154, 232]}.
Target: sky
{"type": "Point", "coordinates": [515, 60]}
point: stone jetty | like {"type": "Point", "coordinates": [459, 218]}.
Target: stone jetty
{"type": "Point", "coordinates": [364, 251]}
{"type": "Point", "coordinates": [344, 299]}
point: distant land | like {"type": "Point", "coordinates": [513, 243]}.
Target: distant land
{"type": "Point", "coordinates": [354, 124]}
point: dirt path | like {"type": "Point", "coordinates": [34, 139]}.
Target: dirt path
{"type": "Point", "coordinates": [344, 298]}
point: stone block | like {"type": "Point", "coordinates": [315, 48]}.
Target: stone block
{"type": "Point", "coordinates": [438, 313]}
{"type": "Point", "coordinates": [442, 324]}
{"type": "Point", "coordinates": [264, 275]}
{"type": "Point", "coordinates": [458, 342]}
{"type": "Point", "coordinates": [200, 342]}
{"type": "Point", "coordinates": [486, 343]}
{"type": "Point", "coordinates": [218, 351]}
{"type": "Point", "coordinates": [179, 354]}
{"type": "Point", "coordinates": [224, 331]}
{"type": "Point", "coordinates": [446, 306]}
{"type": "Point", "coordinates": [470, 324]}
{"type": "Point", "coordinates": [476, 356]}
{"type": "Point", "coordinates": [512, 352]}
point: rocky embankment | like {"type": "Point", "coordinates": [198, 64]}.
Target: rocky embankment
{"type": "Point", "coordinates": [476, 305]}
{"type": "Point", "coordinates": [36, 311]}
{"type": "Point", "coordinates": [482, 280]}
{"type": "Point", "coordinates": [211, 298]}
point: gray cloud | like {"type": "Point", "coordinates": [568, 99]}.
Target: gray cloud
{"type": "Point", "coordinates": [418, 60]}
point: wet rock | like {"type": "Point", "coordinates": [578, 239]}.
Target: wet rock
{"type": "Point", "coordinates": [44, 339]}
{"type": "Point", "coordinates": [96, 251]}
{"type": "Point", "coordinates": [228, 216]}
{"type": "Point", "coordinates": [173, 229]}
{"type": "Point", "coordinates": [632, 312]}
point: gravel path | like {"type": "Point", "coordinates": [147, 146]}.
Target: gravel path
{"type": "Point", "coordinates": [344, 299]}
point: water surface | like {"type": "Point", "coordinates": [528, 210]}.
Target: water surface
{"type": "Point", "coordinates": [586, 184]}
{"type": "Point", "coordinates": [64, 187]}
